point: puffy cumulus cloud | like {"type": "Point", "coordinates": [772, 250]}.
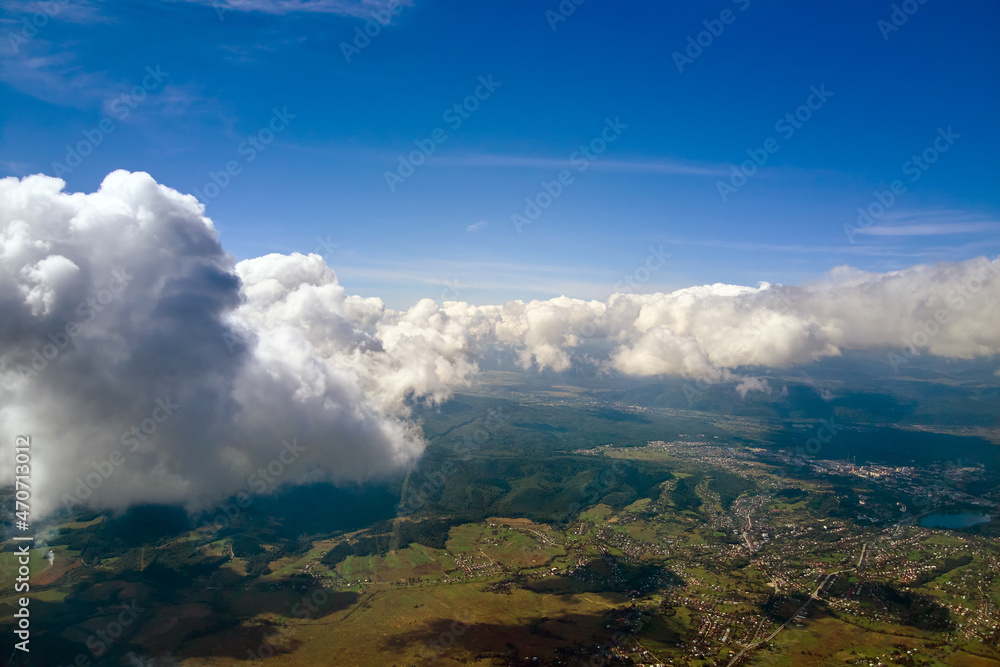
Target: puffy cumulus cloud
{"type": "Point", "coordinates": [148, 368]}
{"type": "Point", "coordinates": [542, 332]}
{"type": "Point", "coordinates": [707, 332]}
{"type": "Point", "coordinates": [295, 309]}
{"type": "Point", "coordinates": [133, 348]}
{"type": "Point", "coordinates": [700, 332]}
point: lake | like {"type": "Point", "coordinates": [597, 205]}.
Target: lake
{"type": "Point", "coordinates": [962, 520]}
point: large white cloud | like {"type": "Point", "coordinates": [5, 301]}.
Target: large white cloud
{"type": "Point", "coordinates": [117, 303]}
{"type": "Point", "coordinates": [707, 332]}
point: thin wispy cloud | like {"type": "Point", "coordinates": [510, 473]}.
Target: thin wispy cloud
{"type": "Point", "coordinates": [356, 8]}
{"type": "Point", "coordinates": [78, 11]}
{"type": "Point", "coordinates": [52, 76]}
{"type": "Point", "coordinates": [933, 222]}
{"type": "Point", "coordinates": [799, 248]}
{"type": "Point", "coordinates": [175, 100]}
{"type": "Point", "coordinates": [13, 167]}
{"type": "Point", "coordinates": [482, 287]}
{"type": "Point", "coordinates": [677, 167]}
{"type": "Point", "coordinates": [475, 227]}
{"type": "Point", "coordinates": [931, 229]}
{"type": "Point", "coordinates": [378, 268]}
{"type": "Point", "coordinates": [485, 275]}
{"type": "Point", "coordinates": [46, 72]}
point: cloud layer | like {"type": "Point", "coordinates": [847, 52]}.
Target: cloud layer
{"type": "Point", "coordinates": [149, 367]}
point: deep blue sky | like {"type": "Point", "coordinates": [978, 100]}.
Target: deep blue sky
{"type": "Point", "coordinates": [657, 184]}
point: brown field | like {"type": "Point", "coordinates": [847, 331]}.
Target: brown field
{"type": "Point", "coordinates": [408, 626]}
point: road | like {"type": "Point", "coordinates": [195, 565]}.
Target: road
{"type": "Point", "coordinates": [813, 596]}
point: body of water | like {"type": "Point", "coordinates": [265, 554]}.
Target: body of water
{"type": "Point", "coordinates": [963, 520]}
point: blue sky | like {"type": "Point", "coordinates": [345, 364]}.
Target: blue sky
{"type": "Point", "coordinates": [555, 85]}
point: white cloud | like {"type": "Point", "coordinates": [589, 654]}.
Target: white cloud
{"type": "Point", "coordinates": [476, 226]}
{"type": "Point", "coordinates": [661, 166]}
{"type": "Point", "coordinates": [274, 348]}
{"type": "Point", "coordinates": [356, 8]}
{"type": "Point", "coordinates": [78, 11]}
{"type": "Point", "coordinates": [289, 355]}
{"type": "Point", "coordinates": [748, 384]}
{"type": "Point", "coordinates": [930, 229]}
{"type": "Point", "coordinates": [708, 332]}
